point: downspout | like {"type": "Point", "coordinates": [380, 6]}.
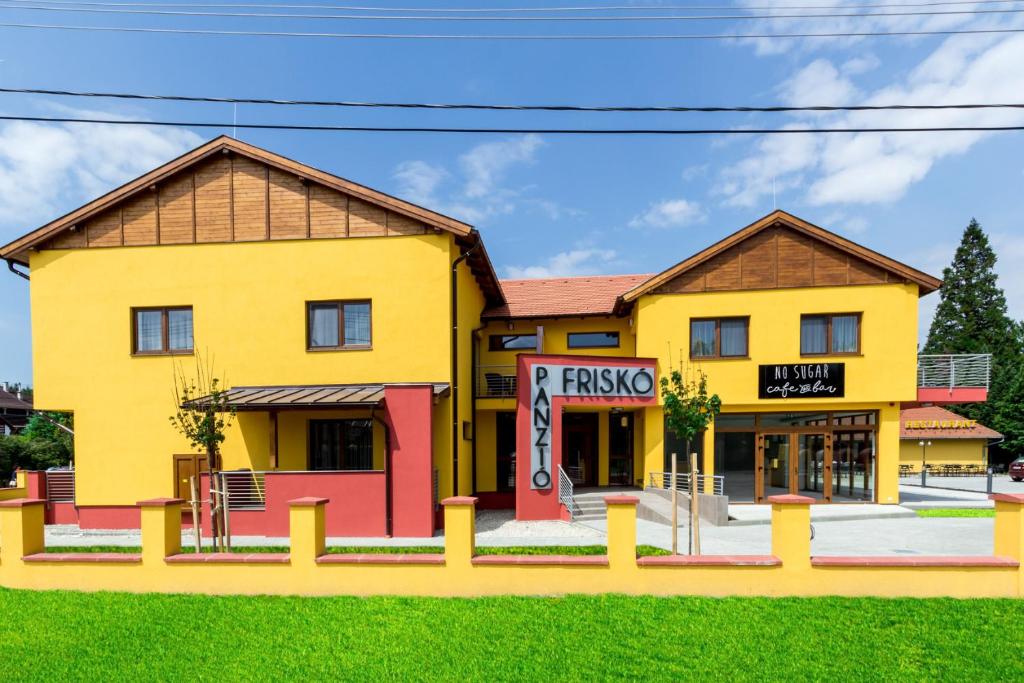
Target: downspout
{"type": "Point", "coordinates": [476, 383]}
{"type": "Point", "coordinates": [10, 267]}
{"type": "Point", "coordinates": [455, 366]}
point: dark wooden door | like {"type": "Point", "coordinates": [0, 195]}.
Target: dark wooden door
{"type": "Point", "coordinates": [579, 448]}
{"type": "Point", "coordinates": [620, 449]}
{"type": "Point", "coordinates": [185, 467]}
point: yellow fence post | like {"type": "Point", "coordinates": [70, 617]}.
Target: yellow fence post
{"type": "Point", "coordinates": [22, 478]}
{"type": "Point", "coordinates": [791, 530]}
{"type": "Point", "coordinates": [621, 531]}
{"type": "Point", "coordinates": [161, 529]}
{"type": "Point", "coordinates": [306, 528]}
{"type": "Point", "coordinates": [459, 530]}
{"type": "Point", "coordinates": [1008, 538]}
{"type": "Point", "coordinates": [21, 529]}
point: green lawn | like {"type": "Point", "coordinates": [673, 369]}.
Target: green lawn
{"type": "Point", "coordinates": [642, 550]}
{"type": "Point", "coordinates": [116, 636]}
{"type": "Point", "coordinates": [956, 512]}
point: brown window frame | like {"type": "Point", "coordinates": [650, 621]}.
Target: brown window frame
{"type": "Point", "coordinates": [718, 337]}
{"type": "Point", "coordinates": [570, 345]}
{"type": "Point", "coordinates": [494, 342]}
{"type": "Point", "coordinates": [828, 334]}
{"type": "Point", "coordinates": [340, 304]}
{"type": "Point", "coordinates": [165, 338]}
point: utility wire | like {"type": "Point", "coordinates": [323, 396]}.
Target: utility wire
{"type": "Point", "coordinates": [507, 37]}
{"type": "Point", "coordinates": [495, 10]}
{"type": "Point", "coordinates": [507, 107]}
{"type": "Point", "coordinates": [494, 19]}
{"type": "Point", "coordinates": [541, 131]}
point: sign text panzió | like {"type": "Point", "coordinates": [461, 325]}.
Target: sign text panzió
{"type": "Point", "coordinates": [548, 381]}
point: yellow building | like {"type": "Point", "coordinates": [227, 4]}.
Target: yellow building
{"type": "Point", "coordinates": [943, 442]}
{"type": "Point", "coordinates": [374, 357]}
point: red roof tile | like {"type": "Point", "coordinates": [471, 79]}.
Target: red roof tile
{"type": "Point", "coordinates": [563, 296]}
{"type": "Point", "coordinates": [934, 422]}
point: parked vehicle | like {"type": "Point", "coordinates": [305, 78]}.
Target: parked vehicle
{"type": "Point", "coordinates": [1017, 469]}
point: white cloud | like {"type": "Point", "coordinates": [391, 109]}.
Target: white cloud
{"type": "Point", "coordinates": [566, 263]}
{"type": "Point", "coordinates": [481, 174]}
{"type": "Point", "coordinates": [861, 64]}
{"type": "Point", "coordinates": [870, 168]}
{"type": "Point", "coordinates": [670, 213]}
{"type": "Point", "coordinates": [45, 168]}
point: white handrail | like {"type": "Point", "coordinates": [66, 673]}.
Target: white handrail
{"type": "Point", "coordinates": [663, 480]}
{"type": "Point", "coordinates": [565, 493]}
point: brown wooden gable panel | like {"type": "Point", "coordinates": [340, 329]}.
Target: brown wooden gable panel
{"type": "Point", "coordinates": [69, 239]}
{"type": "Point", "coordinates": [366, 220]}
{"type": "Point", "coordinates": [176, 211]}
{"type": "Point", "coordinates": [213, 200]}
{"type": "Point", "coordinates": [830, 266]}
{"type": "Point", "coordinates": [139, 215]}
{"type": "Point", "coordinates": [402, 225]}
{"type": "Point", "coordinates": [795, 255]}
{"type": "Point", "coordinates": [776, 257]}
{"type": "Point", "coordinates": [328, 212]}
{"type": "Point", "coordinates": [287, 206]}
{"type": "Point", "coordinates": [250, 199]}
{"type": "Point", "coordinates": [105, 229]}
{"type": "Point", "coordinates": [758, 261]}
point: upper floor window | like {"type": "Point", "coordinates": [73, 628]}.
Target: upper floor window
{"type": "Point", "coordinates": [593, 340]}
{"type": "Point", "coordinates": [338, 325]}
{"type": "Point", "coordinates": [719, 337]}
{"type": "Point", "coordinates": [162, 330]}
{"type": "Point", "coordinates": [822, 335]}
{"type": "Point", "coordinates": [513, 342]}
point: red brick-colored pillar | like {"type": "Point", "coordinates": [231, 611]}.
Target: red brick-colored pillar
{"type": "Point", "coordinates": [408, 411]}
{"type": "Point", "coordinates": [35, 485]}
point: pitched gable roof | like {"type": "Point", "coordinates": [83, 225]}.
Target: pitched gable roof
{"type": "Point", "coordinates": [935, 422]}
{"type": "Point", "coordinates": [866, 258]}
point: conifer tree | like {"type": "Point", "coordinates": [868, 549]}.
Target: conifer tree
{"type": "Point", "coordinates": [972, 318]}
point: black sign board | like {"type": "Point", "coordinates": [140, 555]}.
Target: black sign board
{"type": "Point", "coordinates": [802, 380]}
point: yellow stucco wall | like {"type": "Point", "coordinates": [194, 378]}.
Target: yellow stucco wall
{"type": "Point", "coordinates": [249, 316]}
{"type": "Point", "coordinates": [944, 452]}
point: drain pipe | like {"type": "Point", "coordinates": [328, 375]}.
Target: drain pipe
{"type": "Point", "coordinates": [455, 366]}
{"type": "Point", "coordinates": [10, 267]}
{"type": "Point", "coordinates": [476, 382]}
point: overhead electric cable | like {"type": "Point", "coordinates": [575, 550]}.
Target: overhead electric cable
{"type": "Point", "coordinates": [492, 10]}
{"type": "Point", "coordinates": [496, 19]}
{"type": "Point", "coordinates": [507, 37]}
{"type": "Point", "coordinates": [540, 131]}
{"type": "Point", "coordinates": [510, 107]}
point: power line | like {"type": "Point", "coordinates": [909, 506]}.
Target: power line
{"type": "Point", "coordinates": [508, 37]}
{"type": "Point", "coordinates": [524, 131]}
{"type": "Point", "coordinates": [493, 10]}
{"type": "Point", "coordinates": [509, 107]}
{"type": "Point", "coordinates": [493, 19]}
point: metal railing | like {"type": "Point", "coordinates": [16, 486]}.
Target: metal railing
{"type": "Point", "coordinates": [565, 496]}
{"type": "Point", "coordinates": [246, 490]}
{"type": "Point", "coordinates": [663, 480]}
{"type": "Point", "coordinates": [496, 381]}
{"type": "Point", "coordinates": [954, 370]}
{"type": "Point", "coordinates": [60, 486]}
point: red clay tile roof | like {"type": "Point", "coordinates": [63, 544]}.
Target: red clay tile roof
{"type": "Point", "coordinates": [933, 422]}
{"type": "Point", "coordinates": [563, 296]}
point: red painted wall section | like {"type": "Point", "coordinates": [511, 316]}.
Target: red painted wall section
{"type": "Point", "coordinates": [61, 513]}
{"type": "Point", "coordinates": [356, 504]}
{"type": "Point", "coordinates": [408, 410]}
{"type": "Point", "coordinates": [35, 485]}
{"type": "Point", "coordinates": [109, 517]}
{"type": "Point", "coordinates": [940, 395]}
{"type": "Point", "coordinates": [532, 504]}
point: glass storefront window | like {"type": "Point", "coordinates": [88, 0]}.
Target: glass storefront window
{"type": "Point", "coordinates": [769, 420]}
{"type": "Point", "coordinates": [853, 418]}
{"type": "Point", "coordinates": [729, 421]}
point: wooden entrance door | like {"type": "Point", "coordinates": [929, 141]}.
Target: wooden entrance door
{"type": "Point", "coordinates": [185, 467]}
{"type": "Point", "coordinates": [620, 449]}
{"type": "Point", "coordinates": [579, 448]}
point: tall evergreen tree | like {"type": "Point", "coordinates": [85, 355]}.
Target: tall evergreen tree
{"type": "Point", "coordinates": [972, 318]}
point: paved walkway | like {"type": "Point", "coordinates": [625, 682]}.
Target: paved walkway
{"type": "Point", "coordinates": [1001, 483]}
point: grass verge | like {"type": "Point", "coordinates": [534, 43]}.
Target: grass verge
{"type": "Point", "coordinates": [64, 635]}
{"type": "Point", "coordinates": [956, 512]}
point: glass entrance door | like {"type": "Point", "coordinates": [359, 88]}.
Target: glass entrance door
{"type": "Point", "coordinates": [854, 468]}
{"type": "Point", "coordinates": [620, 449]}
{"type": "Point", "coordinates": [814, 467]}
{"type": "Point", "coordinates": [775, 465]}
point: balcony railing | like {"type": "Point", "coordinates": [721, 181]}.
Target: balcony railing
{"type": "Point", "coordinates": [496, 381]}
{"type": "Point", "coordinates": [952, 371]}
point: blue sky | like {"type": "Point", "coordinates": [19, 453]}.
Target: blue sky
{"type": "Point", "coordinates": [549, 205]}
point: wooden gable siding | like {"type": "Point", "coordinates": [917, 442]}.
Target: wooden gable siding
{"type": "Point", "coordinates": [232, 198]}
{"type": "Point", "coordinates": [776, 258]}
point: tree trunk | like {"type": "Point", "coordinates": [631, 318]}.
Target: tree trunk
{"type": "Point", "coordinates": [689, 530]}
{"type": "Point", "coordinates": [213, 467]}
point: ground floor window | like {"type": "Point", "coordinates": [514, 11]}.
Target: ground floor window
{"type": "Point", "coordinates": [830, 456]}
{"type": "Point", "coordinates": [340, 445]}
